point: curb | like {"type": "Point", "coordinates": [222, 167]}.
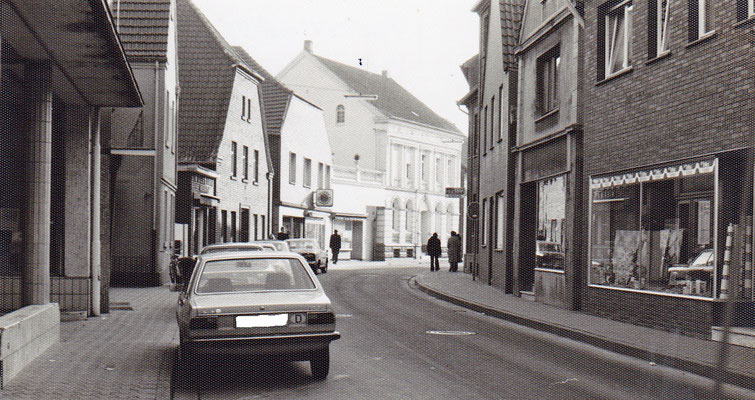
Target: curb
{"type": "Point", "coordinates": [695, 367]}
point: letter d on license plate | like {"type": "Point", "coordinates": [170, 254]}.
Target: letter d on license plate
{"type": "Point", "coordinates": [297, 319]}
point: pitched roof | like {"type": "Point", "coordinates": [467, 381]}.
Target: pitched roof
{"type": "Point", "coordinates": [143, 28]}
{"type": "Point", "coordinates": [393, 100]}
{"type": "Point", "coordinates": [208, 69]}
{"type": "Point", "coordinates": [511, 22]}
{"type": "Point", "coordinates": [275, 97]}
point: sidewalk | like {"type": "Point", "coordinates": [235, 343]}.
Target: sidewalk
{"type": "Point", "coordinates": [682, 352]}
{"type": "Point", "coordinates": [126, 354]}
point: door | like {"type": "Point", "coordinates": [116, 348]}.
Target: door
{"type": "Point", "coordinates": [356, 241]}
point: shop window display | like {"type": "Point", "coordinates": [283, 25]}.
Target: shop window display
{"type": "Point", "coordinates": [653, 230]}
{"type": "Point", "coordinates": [551, 214]}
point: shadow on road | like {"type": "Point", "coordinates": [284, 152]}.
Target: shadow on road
{"type": "Point", "coordinates": [237, 375]}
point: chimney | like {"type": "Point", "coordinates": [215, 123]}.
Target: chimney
{"type": "Point", "coordinates": [308, 46]}
{"type": "Point", "coordinates": [385, 73]}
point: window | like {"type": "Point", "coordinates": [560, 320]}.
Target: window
{"type": "Point", "coordinates": [320, 168]}
{"type": "Point", "coordinates": [615, 28]}
{"type": "Point", "coordinates": [396, 221]}
{"type": "Point", "coordinates": [246, 108]}
{"type": "Point", "coordinates": [243, 107]}
{"type": "Point", "coordinates": [256, 165]}
{"type": "Point", "coordinates": [327, 177]}
{"type": "Point", "coordinates": [263, 228]}
{"type": "Point", "coordinates": [451, 175]}
{"type": "Point", "coordinates": [245, 163]}
{"type": "Point", "coordinates": [233, 226]}
{"type": "Point", "coordinates": [224, 224]}
{"type": "Point", "coordinates": [484, 130]}
{"type": "Point", "coordinates": [547, 80]}
{"type": "Point", "coordinates": [500, 112]}
{"type": "Point", "coordinates": [292, 168]}
{"type": "Point", "coordinates": [244, 234]}
{"type": "Point", "coordinates": [233, 159]}
{"type": "Point", "coordinates": [658, 17]}
{"type": "Point", "coordinates": [745, 9]}
{"type": "Point", "coordinates": [256, 227]}
{"type": "Point", "coordinates": [307, 178]}
{"type": "Point", "coordinates": [483, 214]}
{"type": "Point", "coordinates": [340, 114]}
{"type": "Point", "coordinates": [500, 208]}
{"type": "Point", "coordinates": [492, 120]}
{"type": "Point", "coordinates": [438, 172]}
{"type": "Point", "coordinates": [699, 19]}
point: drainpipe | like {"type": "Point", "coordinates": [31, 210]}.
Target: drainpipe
{"type": "Point", "coordinates": [156, 245]}
{"type": "Point", "coordinates": [269, 221]}
{"type": "Point", "coordinates": [95, 248]}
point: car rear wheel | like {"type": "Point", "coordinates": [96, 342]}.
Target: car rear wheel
{"type": "Point", "coordinates": [320, 364]}
{"type": "Point", "coordinates": [317, 268]}
{"type": "Point", "coordinates": [325, 268]}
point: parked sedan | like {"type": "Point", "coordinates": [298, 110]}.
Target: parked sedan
{"type": "Point", "coordinates": [279, 245]}
{"type": "Point", "coordinates": [257, 304]}
{"type": "Point", "coordinates": [232, 246]}
{"type": "Point", "coordinates": [311, 251]}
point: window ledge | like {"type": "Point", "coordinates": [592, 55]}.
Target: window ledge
{"type": "Point", "coordinates": [244, 180]}
{"type": "Point", "coordinates": [659, 57]}
{"type": "Point", "coordinates": [702, 38]}
{"type": "Point", "coordinates": [546, 115]}
{"type": "Point", "coordinates": [615, 75]}
{"type": "Point", "coordinates": [744, 22]}
{"type": "Point", "coordinates": [500, 139]}
{"type": "Point", "coordinates": [234, 178]}
{"type": "Point", "coordinates": [256, 183]}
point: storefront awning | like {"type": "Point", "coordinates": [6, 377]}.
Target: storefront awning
{"type": "Point", "coordinates": [654, 174]}
{"type": "Point", "coordinates": [78, 39]}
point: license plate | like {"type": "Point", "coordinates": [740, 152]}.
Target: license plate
{"type": "Point", "coordinates": [270, 320]}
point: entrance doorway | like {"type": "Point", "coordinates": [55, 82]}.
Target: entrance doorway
{"type": "Point", "coordinates": [528, 226]}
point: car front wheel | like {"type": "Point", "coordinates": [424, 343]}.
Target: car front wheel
{"type": "Point", "coordinates": [320, 364]}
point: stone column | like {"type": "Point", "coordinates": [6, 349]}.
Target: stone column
{"type": "Point", "coordinates": [96, 246]}
{"type": "Point", "coordinates": [37, 183]}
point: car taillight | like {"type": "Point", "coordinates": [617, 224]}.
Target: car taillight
{"type": "Point", "coordinates": [321, 318]}
{"type": "Point", "coordinates": [204, 323]}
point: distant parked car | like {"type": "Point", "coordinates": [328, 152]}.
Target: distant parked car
{"type": "Point", "coordinates": [263, 304]}
{"type": "Point", "coordinates": [311, 251]}
{"type": "Point", "coordinates": [267, 246]}
{"type": "Point", "coordinates": [549, 255]}
{"type": "Point", "coordinates": [232, 246]}
{"type": "Point", "coordinates": [280, 245]}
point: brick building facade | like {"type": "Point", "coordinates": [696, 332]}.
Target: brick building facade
{"type": "Point", "coordinates": [668, 145]}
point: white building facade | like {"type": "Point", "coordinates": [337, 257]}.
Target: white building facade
{"type": "Point", "coordinates": [393, 158]}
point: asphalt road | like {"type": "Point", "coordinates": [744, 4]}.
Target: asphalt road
{"type": "Point", "coordinates": [398, 343]}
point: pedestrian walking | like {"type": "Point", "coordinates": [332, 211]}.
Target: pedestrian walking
{"type": "Point", "coordinates": [335, 245]}
{"type": "Point", "coordinates": [454, 251]}
{"type": "Point", "coordinates": [282, 235]}
{"type": "Point", "coordinates": [434, 250]}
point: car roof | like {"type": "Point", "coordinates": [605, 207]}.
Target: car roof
{"type": "Point", "coordinates": [234, 245]}
{"type": "Point", "coordinates": [249, 254]}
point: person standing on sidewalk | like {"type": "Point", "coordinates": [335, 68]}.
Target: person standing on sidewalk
{"type": "Point", "coordinates": [454, 251]}
{"type": "Point", "coordinates": [282, 235]}
{"type": "Point", "coordinates": [335, 245]}
{"type": "Point", "coordinates": [434, 250]}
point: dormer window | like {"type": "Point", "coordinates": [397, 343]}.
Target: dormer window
{"type": "Point", "coordinates": [246, 108]}
{"type": "Point", "coordinates": [340, 114]}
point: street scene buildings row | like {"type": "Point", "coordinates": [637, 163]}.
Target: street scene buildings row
{"type": "Point", "coordinates": [611, 158]}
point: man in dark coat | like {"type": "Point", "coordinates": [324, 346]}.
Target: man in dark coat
{"type": "Point", "coordinates": [454, 251]}
{"type": "Point", "coordinates": [282, 235]}
{"type": "Point", "coordinates": [335, 245]}
{"type": "Point", "coordinates": [434, 250]}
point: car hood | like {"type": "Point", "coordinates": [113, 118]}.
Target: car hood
{"type": "Point", "coordinates": [272, 301]}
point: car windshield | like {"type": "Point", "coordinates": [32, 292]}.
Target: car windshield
{"type": "Point", "coordinates": [253, 274]}
{"type": "Point", "coordinates": [221, 249]}
{"type": "Point", "coordinates": [302, 244]}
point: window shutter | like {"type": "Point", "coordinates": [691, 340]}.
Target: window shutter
{"type": "Point", "coordinates": [741, 10]}
{"type": "Point", "coordinates": [694, 15]}
{"type": "Point", "coordinates": [653, 29]}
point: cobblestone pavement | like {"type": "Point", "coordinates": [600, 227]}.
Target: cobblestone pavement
{"type": "Point", "coordinates": [126, 354]}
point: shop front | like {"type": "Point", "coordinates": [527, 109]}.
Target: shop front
{"type": "Point", "coordinates": [658, 253]}
{"type": "Point", "coordinates": [351, 230]}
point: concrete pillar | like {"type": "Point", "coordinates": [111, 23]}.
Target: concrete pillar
{"type": "Point", "coordinates": [37, 183]}
{"type": "Point", "coordinates": [96, 258]}
{"type": "Point", "coordinates": [77, 198]}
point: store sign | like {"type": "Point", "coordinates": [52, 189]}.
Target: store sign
{"type": "Point", "coordinates": [453, 192]}
{"type": "Point", "coordinates": [655, 174]}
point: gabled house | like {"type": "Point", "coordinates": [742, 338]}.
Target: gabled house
{"type": "Point", "coordinates": [300, 153]}
{"type": "Point", "coordinates": [143, 146]}
{"type": "Point", "coordinates": [393, 157]}
{"type": "Point", "coordinates": [547, 153]}
{"type": "Point", "coordinates": [492, 104]}
{"type": "Point", "coordinates": [224, 171]}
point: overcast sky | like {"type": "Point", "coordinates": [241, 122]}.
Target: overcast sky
{"type": "Point", "coordinates": [420, 42]}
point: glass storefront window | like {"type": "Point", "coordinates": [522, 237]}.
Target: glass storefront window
{"type": "Point", "coordinates": [551, 215]}
{"type": "Point", "coordinates": [653, 230]}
